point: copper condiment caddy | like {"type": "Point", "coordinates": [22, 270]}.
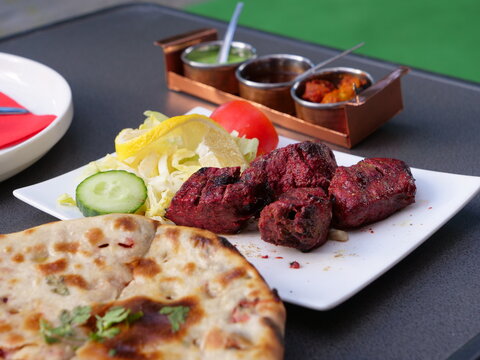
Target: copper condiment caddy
{"type": "Point", "coordinates": [362, 116]}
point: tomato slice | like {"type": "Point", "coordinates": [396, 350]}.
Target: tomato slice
{"type": "Point", "coordinates": [250, 122]}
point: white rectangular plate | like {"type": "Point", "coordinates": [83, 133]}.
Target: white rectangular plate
{"type": "Point", "coordinates": [336, 271]}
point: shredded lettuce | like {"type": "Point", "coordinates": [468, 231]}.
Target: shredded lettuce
{"type": "Point", "coordinates": [164, 168]}
{"type": "Point", "coordinates": [153, 119]}
{"type": "Point", "coordinates": [248, 147]}
{"type": "Point", "coordinates": [66, 200]}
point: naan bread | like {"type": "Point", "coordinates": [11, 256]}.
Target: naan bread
{"type": "Point", "coordinates": [62, 265]}
{"type": "Point", "coordinates": [133, 262]}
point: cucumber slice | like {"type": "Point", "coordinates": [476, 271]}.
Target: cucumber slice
{"type": "Point", "coordinates": [114, 191]}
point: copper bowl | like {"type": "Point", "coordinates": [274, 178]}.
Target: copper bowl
{"type": "Point", "coordinates": [220, 76]}
{"type": "Point", "coordinates": [331, 115]}
{"type": "Point", "coordinates": [267, 79]}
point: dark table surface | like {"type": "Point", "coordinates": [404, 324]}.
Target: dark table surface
{"type": "Point", "coordinates": [426, 307]}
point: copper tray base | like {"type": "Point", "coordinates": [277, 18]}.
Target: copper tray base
{"type": "Point", "coordinates": [372, 108]}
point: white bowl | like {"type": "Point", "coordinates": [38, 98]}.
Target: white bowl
{"type": "Point", "coordinates": [42, 91]}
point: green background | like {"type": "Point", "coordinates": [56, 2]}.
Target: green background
{"type": "Point", "coordinates": [439, 36]}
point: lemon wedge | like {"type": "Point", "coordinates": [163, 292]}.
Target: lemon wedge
{"type": "Point", "coordinates": [213, 144]}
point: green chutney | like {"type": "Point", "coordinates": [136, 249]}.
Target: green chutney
{"type": "Point", "coordinates": [210, 56]}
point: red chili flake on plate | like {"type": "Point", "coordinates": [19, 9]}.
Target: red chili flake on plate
{"type": "Point", "coordinates": [294, 265]}
{"type": "Point", "coordinates": [264, 256]}
{"type": "Point", "coordinates": [279, 257]}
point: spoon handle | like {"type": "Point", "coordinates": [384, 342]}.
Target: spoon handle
{"type": "Point", "coordinates": [227, 41]}
{"type": "Point", "coordinates": [326, 62]}
{"type": "Point", "coordinates": [12, 110]}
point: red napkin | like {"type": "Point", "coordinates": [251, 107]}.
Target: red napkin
{"type": "Point", "coordinates": [17, 128]}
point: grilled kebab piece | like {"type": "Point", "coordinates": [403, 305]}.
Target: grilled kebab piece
{"type": "Point", "coordinates": [370, 191]}
{"type": "Point", "coordinates": [300, 218]}
{"type": "Point", "coordinates": [305, 164]}
{"type": "Point", "coordinates": [217, 199]}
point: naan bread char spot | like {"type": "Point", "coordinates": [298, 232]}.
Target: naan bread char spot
{"type": "Point", "coordinates": [95, 236]}
{"type": "Point", "coordinates": [133, 262]}
{"type": "Point", "coordinates": [146, 267]}
{"type": "Point", "coordinates": [67, 246]}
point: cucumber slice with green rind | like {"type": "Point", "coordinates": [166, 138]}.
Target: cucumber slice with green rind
{"type": "Point", "coordinates": [114, 191]}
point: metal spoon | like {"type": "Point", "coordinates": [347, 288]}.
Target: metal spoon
{"type": "Point", "coordinates": [326, 62]}
{"type": "Point", "coordinates": [12, 110]}
{"type": "Point", "coordinates": [227, 41]}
